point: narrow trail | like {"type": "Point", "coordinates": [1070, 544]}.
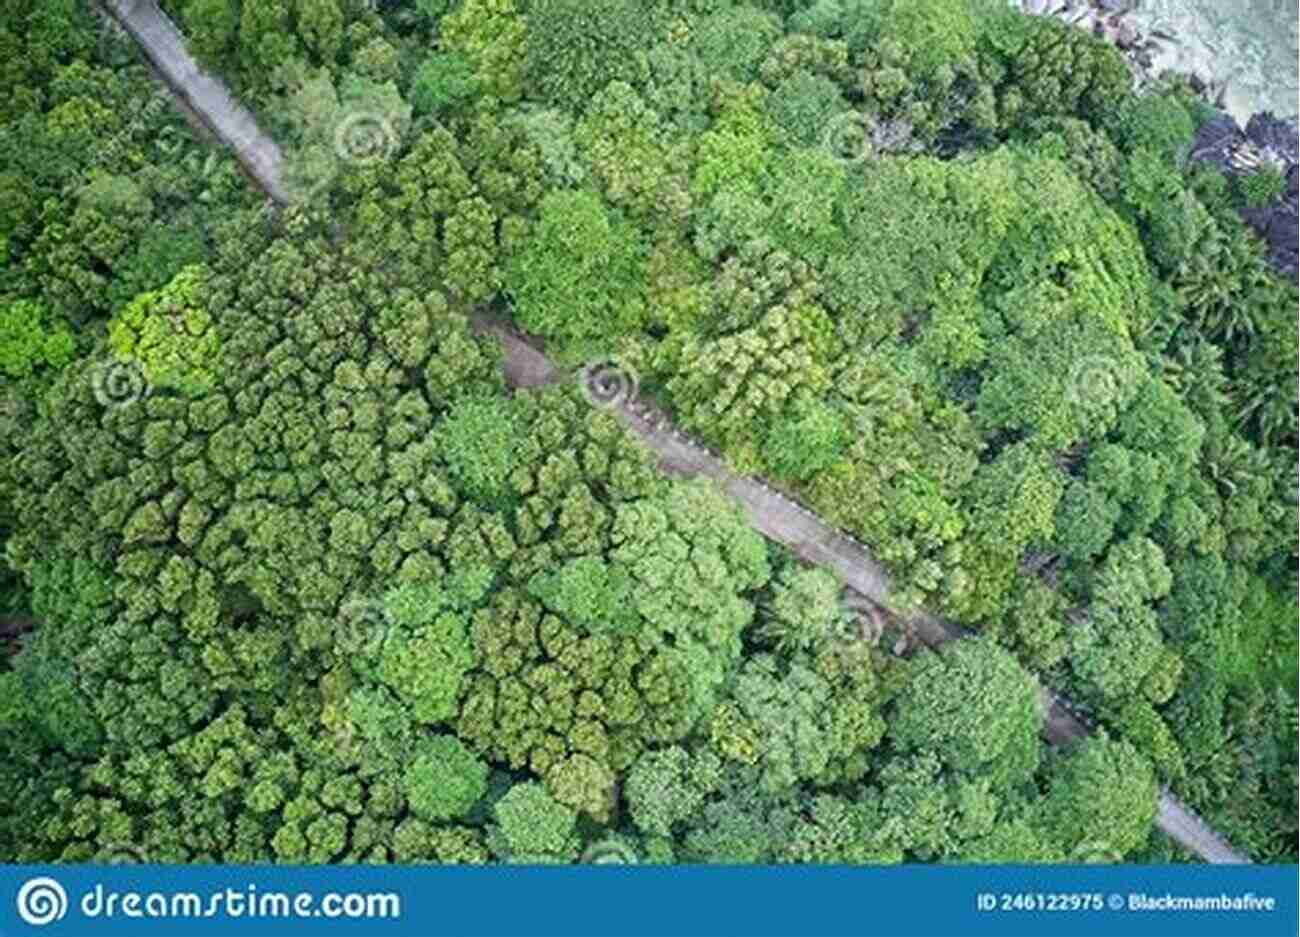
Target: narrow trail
{"type": "Point", "coordinates": [204, 95]}
{"type": "Point", "coordinates": [775, 515]}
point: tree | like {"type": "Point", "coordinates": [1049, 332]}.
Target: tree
{"type": "Point", "coordinates": [29, 340]}
{"type": "Point", "coordinates": [170, 335]}
{"type": "Point", "coordinates": [478, 440]}
{"type": "Point", "coordinates": [531, 827]}
{"type": "Point", "coordinates": [973, 706]}
{"type": "Point", "coordinates": [1102, 792]}
{"type": "Point", "coordinates": [443, 83]}
{"type": "Point", "coordinates": [589, 592]}
{"type": "Point", "coordinates": [577, 47]}
{"type": "Point", "coordinates": [583, 783]}
{"type": "Point", "coordinates": [785, 720]}
{"type": "Point", "coordinates": [811, 438]}
{"type": "Point", "coordinates": [444, 780]}
{"type": "Point", "coordinates": [580, 274]}
{"type": "Point", "coordinates": [211, 26]}
{"type": "Point", "coordinates": [665, 787]}
{"type": "Point", "coordinates": [493, 36]}
{"type": "Point", "coordinates": [803, 104]}
{"type": "Point", "coordinates": [425, 657]}
{"type": "Point", "coordinates": [804, 609]}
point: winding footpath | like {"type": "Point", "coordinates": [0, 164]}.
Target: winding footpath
{"type": "Point", "coordinates": [775, 515]}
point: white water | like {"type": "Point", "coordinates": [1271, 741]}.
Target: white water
{"type": "Point", "coordinates": [1251, 43]}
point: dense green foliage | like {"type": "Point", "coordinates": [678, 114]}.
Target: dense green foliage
{"type": "Point", "coordinates": [311, 584]}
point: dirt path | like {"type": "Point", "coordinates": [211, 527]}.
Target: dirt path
{"type": "Point", "coordinates": [773, 514]}
{"type": "Point", "coordinates": [203, 95]}
{"type": "Point", "coordinates": [784, 520]}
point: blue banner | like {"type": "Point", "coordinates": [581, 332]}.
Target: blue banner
{"type": "Point", "coordinates": [605, 900]}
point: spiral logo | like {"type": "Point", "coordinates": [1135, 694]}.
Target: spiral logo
{"type": "Point", "coordinates": [1094, 382]}
{"type": "Point", "coordinates": [42, 901]}
{"type": "Point", "coordinates": [853, 137]}
{"type": "Point", "coordinates": [11, 407]}
{"type": "Point", "coordinates": [122, 854]}
{"type": "Point", "coordinates": [364, 138]}
{"type": "Point", "coordinates": [856, 630]}
{"type": "Point", "coordinates": [866, 622]}
{"type": "Point", "coordinates": [118, 383]}
{"type": "Point", "coordinates": [609, 384]}
{"type": "Point", "coordinates": [609, 852]}
{"type": "Point", "coordinates": [847, 137]}
{"type": "Point", "coordinates": [1095, 852]}
{"type": "Point", "coordinates": [361, 627]}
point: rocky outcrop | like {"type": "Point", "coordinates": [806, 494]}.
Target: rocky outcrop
{"type": "Point", "coordinates": [1109, 20]}
{"type": "Point", "coordinates": [1267, 140]}
{"type": "Point", "coordinates": [1221, 141]}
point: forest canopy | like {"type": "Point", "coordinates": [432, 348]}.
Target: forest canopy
{"type": "Point", "coordinates": [301, 578]}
